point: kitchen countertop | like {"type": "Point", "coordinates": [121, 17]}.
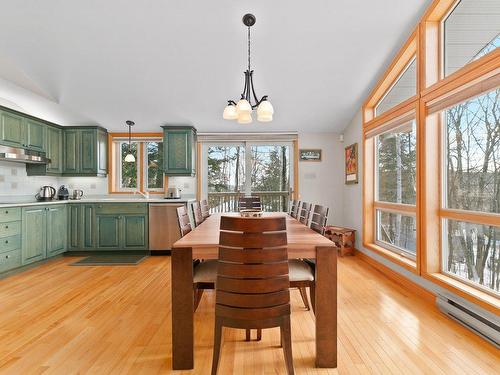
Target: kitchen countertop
{"type": "Point", "coordinates": [19, 201]}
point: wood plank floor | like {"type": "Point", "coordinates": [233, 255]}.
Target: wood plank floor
{"type": "Point", "coordinates": [57, 319]}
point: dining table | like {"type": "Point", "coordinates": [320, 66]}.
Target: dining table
{"type": "Point", "coordinates": [303, 243]}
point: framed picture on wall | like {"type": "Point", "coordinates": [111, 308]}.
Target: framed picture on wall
{"type": "Point", "coordinates": [351, 164]}
{"type": "Point", "coordinates": [310, 155]}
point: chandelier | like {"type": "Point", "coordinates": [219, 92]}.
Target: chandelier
{"type": "Point", "coordinates": [242, 111]}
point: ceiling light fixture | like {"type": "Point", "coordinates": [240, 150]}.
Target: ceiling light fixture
{"type": "Point", "coordinates": [242, 111]}
{"type": "Point", "coordinates": [130, 158]}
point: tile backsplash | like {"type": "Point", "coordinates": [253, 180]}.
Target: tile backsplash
{"type": "Point", "coordinates": [15, 181]}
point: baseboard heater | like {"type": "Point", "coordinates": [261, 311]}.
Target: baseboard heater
{"type": "Point", "coordinates": [479, 324]}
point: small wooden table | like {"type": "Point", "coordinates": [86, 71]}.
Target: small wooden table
{"type": "Point", "coordinates": [344, 238]}
{"type": "Point", "coordinates": [203, 242]}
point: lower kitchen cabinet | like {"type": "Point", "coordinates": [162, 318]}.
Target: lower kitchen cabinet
{"type": "Point", "coordinates": [122, 232]}
{"type": "Point", "coordinates": [108, 232]}
{"type": "Point", "coordinates": [81, 228]}
{"type": "Point", "coordinates": [43, 232]}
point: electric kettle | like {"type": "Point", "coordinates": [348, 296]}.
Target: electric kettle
{"type": "Point", "coordinates": [46, 193]}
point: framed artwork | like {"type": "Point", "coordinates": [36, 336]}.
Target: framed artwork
{"type": "Point", "coordinates": [310, 154]}
{"type": "Point", "coordinates": [351, 164]}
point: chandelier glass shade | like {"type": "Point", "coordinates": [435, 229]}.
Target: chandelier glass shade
{"type": "Point", "coordinates": [242, 111]}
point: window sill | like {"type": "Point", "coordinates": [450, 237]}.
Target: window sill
{"type": "Point", "coordinates": [402, 261]}
{"type": "Point", "coordinates": [476, 296]}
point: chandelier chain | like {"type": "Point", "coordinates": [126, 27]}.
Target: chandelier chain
{"type": "Point", "coordinates": [248, 48]}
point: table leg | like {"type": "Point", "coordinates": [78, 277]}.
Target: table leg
{"type": "Point", "coordinates": [326, 307]}
{"type": "Point", "coordinates": [182, 309]}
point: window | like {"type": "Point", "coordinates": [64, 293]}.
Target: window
{"type": "Point", "coordinates": [471, 30]}
{"type": "Point", "coordinates": [472, 184]}
{"type": "Point", "coordinates": [396, 184]}
{"type": "Point", "coordinates": [148, 154]}
{"type": "Point", "coordinates": [404, 88]}
{"type": "Point", "coordinates": [244, 168]}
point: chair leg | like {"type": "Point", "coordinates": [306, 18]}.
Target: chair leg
{"type": "Point", "coordinates": [248, 334]}
{"type": "Point", "coordinates": [198, 293]}
{"type": "Point", "coordinates": [286, 334]}
{"type": "Point", "coordinates": [217, 345]}
{"type": "Point", "coordinates": [259, 334]}
{"type": "Point", "coordinates": [303, 294]}
{"type": "Point", "coordinates": [312, 292]}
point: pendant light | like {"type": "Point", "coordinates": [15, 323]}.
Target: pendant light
{"type": "Point", "coordinates": [242, 111]}
{"type": "Point", "coordinates": [130, 158]}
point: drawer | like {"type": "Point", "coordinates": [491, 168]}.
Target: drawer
{"type": "Point", "coordinates": [10, 260]}
{"type": "Point", "coordinates": [121, 208]}
{"type": "Point", "coordinates": [10, 214]}
{"type": "Point", "coordinates": [10, 228]}
{"type": "Point", "coordinates": [10, 243]}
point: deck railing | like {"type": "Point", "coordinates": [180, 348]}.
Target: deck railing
{"type": "Point", "coordinates": [272, 201]}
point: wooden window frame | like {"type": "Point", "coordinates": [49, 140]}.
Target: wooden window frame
{"type": "Point", "coordinates": [435, 92]}
{"type": "Point", "coordinates": [141, 137]}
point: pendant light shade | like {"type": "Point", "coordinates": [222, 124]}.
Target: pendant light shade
{"type": "Point", "coordinates": [265, 111]}
{"type": "Point", "coordinates": [245, 118]}
{"type": "Point", "coordinates": [243, 106]}
{"type": "Point", "coordinates": [130, 158]}
{"type": "Point", "coordinates": [230, 112]}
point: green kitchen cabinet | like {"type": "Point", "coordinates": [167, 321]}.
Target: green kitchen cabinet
{"type": "Point", "coordinates": [179, 147]}
{"type": "Point", "coordinates": [44, 230]}
{"type": "Point", "coordinates": [85, 151]}
{"type": "Point", "coordinates": [54, 150]}
{"type": "Point", "coordinates": [35, 135]}
{"type": "Point", "coordinates": [108, 232]}
{"type": "Point", "coordinates": [81, 228]}
{"type": "Point", "coordinates": [13, 129]}
{"type": "Point", "coordinates": [34, 234]}
{"type": "Point", "coordinates": [57, 224]}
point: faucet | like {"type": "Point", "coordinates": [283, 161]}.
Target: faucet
{"type": "Point", "coordinates": [145, 195]}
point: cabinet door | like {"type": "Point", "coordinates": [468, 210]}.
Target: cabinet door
{"type": "Point", "coordinates": [57, 219]}
{"type": "Point", "coordinates": [102, 156]}
{"type": "Point", "coordinates": [74, 228]}
{"type": "Point", "coordinates": [54, 149]}
{"type": "Point", "coordinates": [178, 153]}
{"type": "Point", "coordinates": [34, 235]}
{"type": "Point", "coordinates": [82, 229]}
{"type": "Point", "coordinates": [71, 151]}
{"type": "Point", "coordinates": [13, 129]}
{"type": "Point", "coordinates": [88, 156]}
{"type": "Point", "coordinates": [35, 135]}
{"type": "Point", "coordinates": [135, 235]}
{"type": "Point", "coordinates": [108, 232]}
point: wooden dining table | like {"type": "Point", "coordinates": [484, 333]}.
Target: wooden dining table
{"type": "Point", "coordinates": [202, 243]}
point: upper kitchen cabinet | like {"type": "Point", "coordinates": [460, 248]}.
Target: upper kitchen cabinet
{"type": "Point", "coordinates": [85, 151]}
{"type": "Point", "coordinates": [54, 149]}
{"type": "Point", "coordinates": [20, 131]}
{"type": "Point", "coordinates": [179, 147]}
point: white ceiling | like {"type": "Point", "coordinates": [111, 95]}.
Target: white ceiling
{"type": "Point", "coordinates": [158, 62]}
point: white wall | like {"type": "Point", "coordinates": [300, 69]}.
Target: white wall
{"type": "Point", "coordinates": [352, 216]}
{"type": "Point", "coordinates": [322, 182]}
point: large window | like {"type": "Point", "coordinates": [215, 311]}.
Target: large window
{"type": "Point", "coordinates": [471, 30]}
{"type": "Point", "coordinates": [240, 169]}
{"type": "Point", "coordinates": [471, 183]}
{"type": "Point", "coordinates": [396, 185]}
{"type": "Point", "coordinates": [145, 173]}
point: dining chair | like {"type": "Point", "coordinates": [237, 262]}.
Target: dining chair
{"type": "Point", "coordinates": [302, 272]}
{"type": "Point", "coordinates": [305, 211]}
{"type": "Point", "coordinates": [252, 288]}
{"type": "Point", "coordinates": [294, 208]}
{"type": "Point", "coordinates": [245, 203]}
{"type": "Point", "coordinates": [197, 214]}
{"type": "Point", "coordinates": [204, 272]}
{"type": "Point", "coordinates": [205, 210]}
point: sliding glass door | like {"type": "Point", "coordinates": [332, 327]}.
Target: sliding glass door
{"type": "Point", "coordinates": [233, 170]}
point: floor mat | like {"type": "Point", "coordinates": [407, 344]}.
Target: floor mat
{"type": "Point", "coordinates": [111, 260]}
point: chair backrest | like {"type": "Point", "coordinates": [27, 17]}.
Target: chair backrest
{"type": "Point", "coordinates": [183, 218]}
{"type": "Point", "coordinates": [252, 275]}
{"type": "Point", "coordinates": [245, 203]}
{"type": "Point", "coordinates": [305, 212]}
{"type": "Point", "coordinates": [319, 218]}
{"type": "Point", "coordinates": [205, 210]}
{"type": "Point", "coordinates": [197, 215]}
{"type": "Point", "coordinates": [294, 208]}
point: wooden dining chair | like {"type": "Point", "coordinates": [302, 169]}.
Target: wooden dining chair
{"type": "Point", "coordinates": [302, 272]}
{"type": "Point", "coordinates": [252, 288]}
{"type": "Point", "coordinates": [205, 210]}
{"type": "Point", "coordinates": [305, 211]}
{"type": "Point", "coordinates": [204, 272]}
{"type": "Point", "coordinates": [245, 203]}
{"type": "Point", "coordinates": [294, 208]}
{"type": "Point", "coordinates": [197, 214]}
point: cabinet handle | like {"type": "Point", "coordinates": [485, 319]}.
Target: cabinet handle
{"type": "Point", "coordinates": [6, 212]}
{"type": "Point", "coordinates": [7, 256]}
{"type": "Point", "coordinates": [6, 241]}
{"type": "Point", "coordinates": [6, 227]}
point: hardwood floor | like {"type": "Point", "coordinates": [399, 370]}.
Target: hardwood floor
{"type": "Point", "coordinates": [57, 319]}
